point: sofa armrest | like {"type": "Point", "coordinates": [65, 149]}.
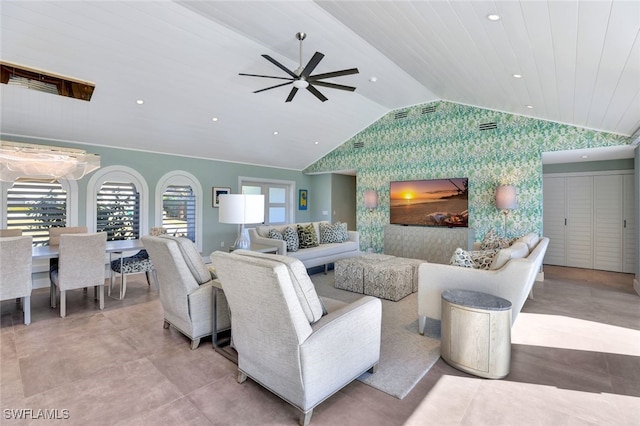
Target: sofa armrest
{"type": "Point", "coordinates": [353, 329]}
{"type": "Point", "coordinates": [257, 239]}
{"type": "Point", "coordinates": [355, 237]}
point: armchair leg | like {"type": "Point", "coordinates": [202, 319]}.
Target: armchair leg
{"type": "Point", "coordinates": [166, 324]}
{"type": "Point", "coordinates": [305, 418]}
{"type": "Point", "coordinates": [241, 377]}
{"type": "Point", "coordinates": [194, 344]}
{"type": "Point", "coordinates": [26, 307]}
{"type": "Point", "coordinates": [63, 304]}
{"type": "Point", "coordinates": [422, 321]}
{"type": "Point", "coordinates": [100, 296]}
{"type": "Point", "coordinates": [53, 295]}
{"type": "Point", "coordinates": [373, 369]}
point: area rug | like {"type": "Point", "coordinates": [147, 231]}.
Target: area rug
{"type": "Point", "coordinates": [405, 355]}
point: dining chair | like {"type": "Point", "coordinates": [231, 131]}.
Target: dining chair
{"type": "Point", "coordinates": [15, 271]}
{"type": "Point", "coordinates": [10, 233]}
{"type": "Point", "coordinates": [80, 265]}
{"type": "Point", "coordinates": [54, 240]}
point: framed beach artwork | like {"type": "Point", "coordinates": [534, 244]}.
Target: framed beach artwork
{"type": "Point", "coordinates": [217, 192]}
{"type": "Point", "coordinates": [302, 199]}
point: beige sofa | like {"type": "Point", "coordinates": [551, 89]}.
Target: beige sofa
{"type": "Point", "coordinates": [512, 281]}
{"type": "Point", "coordinates": [323, 254]}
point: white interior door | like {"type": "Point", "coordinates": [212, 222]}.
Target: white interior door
{"type": "Point", "coordinates": [608, 223]}
{"type": "Point", "coordinates": [629, 225]}
{"type": "Point", "coordinates": [579, 230]}
{"type": "Point", "coordinates": [554, 220]}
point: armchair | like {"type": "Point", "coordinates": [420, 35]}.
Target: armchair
{"type": "Point", "coordinates": [15, 272]}
{"type": "Point", "coordinates": [186, 287]}
{"type": "Point", "coordinates": [283, 341]}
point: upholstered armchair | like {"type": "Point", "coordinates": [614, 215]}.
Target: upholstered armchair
{"type": "Point", "coordinates": [80, 265]}
{"type": "Point", "coordinates": [186, 287]}
{"type": "Point", "coordinates": [283, 339]}
{"type": "Point", "coordinates": [15, 272]}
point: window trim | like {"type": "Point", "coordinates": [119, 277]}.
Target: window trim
{"type": "Point", "coordinates": [118, 174]}
{"type": "Point", "coordinates": [180, 177]}
{"type": "Point", "coordinates": [290, 184]}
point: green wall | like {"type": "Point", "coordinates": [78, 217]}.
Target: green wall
{"type": "Point", "coordinates": [209, 173]}
{"type": "Point", "coordinates": [447, 143]}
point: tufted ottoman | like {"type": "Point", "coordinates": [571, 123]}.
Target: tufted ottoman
{"type": "Point", "coordinates": [388, 280]}
{"type": "Point", "coordinates": [349, 273]}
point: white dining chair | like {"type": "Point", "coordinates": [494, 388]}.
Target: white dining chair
{"type": "Point", "coordinates": [15, 271]}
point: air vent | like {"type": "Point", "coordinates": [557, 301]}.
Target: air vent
{"type": "Point", "coordinates": [17, 75]}
{"type": "Point", "coordinates": [358, 144]}
{"type": "Point", "coordinates": [400, 115]}
{"type": "Point", "coordinates": [429, 109]}
{"type": "Point", "coordinates": [488, 126]}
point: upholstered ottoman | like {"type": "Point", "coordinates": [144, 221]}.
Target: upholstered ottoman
{"type": "Point", "coordinates": [414, 263]}
{"type": "Point", "coordinates": [388, 280]}
{"type": "Point", "coordinates": [349, 273]}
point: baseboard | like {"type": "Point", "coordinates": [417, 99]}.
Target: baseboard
{"type": "Point", "coordinates": [636, 286]}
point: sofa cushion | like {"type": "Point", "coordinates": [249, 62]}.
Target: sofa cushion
{"type": "Point", "coordinates": [290, 235]}
{"type": "Point", "coordinates": [336, 233]}
{"type": "Point", "coordinates": [325, 250]}
{"type": "Point", "coordinates": [516, 251]}
{"type": "Point", "coordinates": [192, 258]}
{"type": "Point", "coordinates": [307, 236]}
{"type": "Point", "coordinates": [302, 284]}
{"type": "Point", "coordinates": [531, 240]}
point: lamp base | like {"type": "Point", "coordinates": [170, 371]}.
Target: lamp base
{"type": "Point", "coordinates": [242, 243]}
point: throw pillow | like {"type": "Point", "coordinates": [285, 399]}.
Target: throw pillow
{"type": "Point", "coordinates": [492, 240]}
{"type": "Point", "coordinates": [483, 258]}
{"type": "Point", "coordinates": [307, 236]}
{"type": "Point", "coordinates": [336, 233]}
{"type": "Point", "coordinates": [462, 258]}
{"type": "Point", "coordinates": [275, 234]}
{"type": "Point", "coordinates": [291, 237]}
{"type": "Point", "coordinates": [516, 251]}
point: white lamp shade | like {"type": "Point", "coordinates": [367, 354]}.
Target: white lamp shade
{"type": "Point", "coordinates": [371, 198]}
{"type": "Point", "coordinates": [506, 197]}
{"type": "Point", "coordinates": [241, 208]}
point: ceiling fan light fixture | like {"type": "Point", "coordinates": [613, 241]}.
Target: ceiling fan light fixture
{"type": "Point", "coordinates": [301, 84]}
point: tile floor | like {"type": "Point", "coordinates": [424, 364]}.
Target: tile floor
{"type": "Point", "coordinates": [575, 360]}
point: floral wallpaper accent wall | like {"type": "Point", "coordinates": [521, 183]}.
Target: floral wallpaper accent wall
{"type": "Point", "coordinates": [443, 140]}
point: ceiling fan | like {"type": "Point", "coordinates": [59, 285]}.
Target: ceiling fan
{"type": "Point", "coordinates": [301, 78]}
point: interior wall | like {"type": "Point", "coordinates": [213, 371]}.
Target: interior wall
{"type": "Point", "coordinates": [444, 140]}
{"type": "Point", "coordinates": [343, 196]}
{"type": "Point", "coordinates": [210, 173]}
{"type": "Point", "coordinates": [636, 282]}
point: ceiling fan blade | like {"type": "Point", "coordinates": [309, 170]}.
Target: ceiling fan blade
{"type": "Point", "coordinates": [265, 76]}
{"type": "Point", "coordinates": [312, 64]}
{"type": "Point", "coordinates": [316, 93]}
{"type": "Point", "coordinates": [273, 87]}
{"type": "Point", "coordinates": [333, 74]}
{"type": "Point", "coordinates": [292, 93]}
{"type": "Point", "coordinates": [334, 86]}
{"type": "Point", "coordinates": [279, 65]}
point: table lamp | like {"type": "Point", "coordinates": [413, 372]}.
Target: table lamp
{"type": "Point", "coordinates": [241, 209]}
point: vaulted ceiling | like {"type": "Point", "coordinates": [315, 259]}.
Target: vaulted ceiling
{"type": "Point", "coordinates": [579, 62]}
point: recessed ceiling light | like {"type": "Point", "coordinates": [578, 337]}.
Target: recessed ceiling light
{"type": "Point", "coordinates": [316, 143]}
{"type": "Point", "coordinates": [275, 133]}
{"type": "Point", "coordinates": [517, 75]}
{"type": "Point", "coordinates": [214, 119]}
{"type": "Point", "coordinates": [493, 17]}
{"type": "Point", "coordinates": [584, 156]}
{"type": "Point", "coordinates": [373, 79]}
{"type": "Point", "coordinates": [529, 106]}
{"type": "Point", "coordinates": [139, 101]}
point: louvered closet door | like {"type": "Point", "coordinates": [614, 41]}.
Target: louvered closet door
{"type": "Point", "coordinates": [553, 213]}
{"type": "Point", "coordinates": [630, 256]}
{"type": "Point", "coordinates": [608, 223]}
{"type": "Point", "coordinates": [579, 230]}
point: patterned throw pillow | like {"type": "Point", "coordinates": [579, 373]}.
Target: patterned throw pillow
{"type": "Point", "coordinates": [493, 241]}
{"type": "Point", "coordinates": [307, 236]}
{"type": "Point", "coordinates": [483, 258]}
{"type": "Point", "coordinates": [336, 233]}
{"type": "Point", "coordinates": [462, 258]}
{"type": "Point", "coordinates": [291, 237]}
{"type": "Point", "coordinates": [274, 234]}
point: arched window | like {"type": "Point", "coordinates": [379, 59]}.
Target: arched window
{"type": "Point", "coordinates": [179, 205]}
{"type": "Point", "coordinates": [117, 203]}
{"type": "Point", "coordinates": [34, 206]}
